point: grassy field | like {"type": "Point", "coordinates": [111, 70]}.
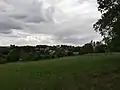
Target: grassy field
{"type": "Point", "coordinates": [87, 72]}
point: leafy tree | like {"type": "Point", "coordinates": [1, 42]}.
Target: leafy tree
{"type": "Point", "coordinates": [109, 23]}
{"type": "Point", "coordinates": [13, 55]}
{"type": "Point", "coordinates": [12, 46]}
{"type": "Point", "coordinates": [100, 47]}
{"type": "Point", "coordinates": [87, 48]}
{"type": "Point", "coordinates": [23, 55]}
{"type": "Point", "coordinates": [32, 57]}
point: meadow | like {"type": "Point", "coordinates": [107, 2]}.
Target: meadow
{"type": "Point", "coordinates": [85, 72]}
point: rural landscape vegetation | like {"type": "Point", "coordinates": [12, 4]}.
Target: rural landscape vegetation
{"type": "Point", "coordinates": [92, 66]}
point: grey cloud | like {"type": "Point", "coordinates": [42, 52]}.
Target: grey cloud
{"type": "Point", "coordinates": [6, 24]}
{"type": "Point", "coordinates": [31, 11]}
{"type": "Point", "coordinates": [9, 25]}
{"type": "Point", "coordinates": [18, 16]}
{"type": "Point", "coordinates": [81, 1]}
{"type": "Point", "coordinates": [32, 17]}
{"type": "Point", "coordinates": [22, 12]}
{"type": "Point", "coordinates": [75, 31]}
{"type": "Point", "coordinates": [76, 40]}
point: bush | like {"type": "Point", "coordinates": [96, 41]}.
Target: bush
{"type": "Point", "coordinates": [3, 60]}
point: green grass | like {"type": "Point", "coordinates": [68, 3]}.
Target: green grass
{"type": "Point", "coordinates": [87, 72]}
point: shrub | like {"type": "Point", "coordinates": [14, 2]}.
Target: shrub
{"type": "Point", "coordinates": [3, 61]}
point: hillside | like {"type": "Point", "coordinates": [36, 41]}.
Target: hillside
{"type": "Point", "coordinates": [87, 72]}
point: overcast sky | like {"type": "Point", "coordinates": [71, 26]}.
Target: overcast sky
{"type": "Point", "coordinates": [31, 22]}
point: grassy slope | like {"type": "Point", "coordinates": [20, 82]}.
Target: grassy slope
{"type": "Point", "coordinates": [89, 72]}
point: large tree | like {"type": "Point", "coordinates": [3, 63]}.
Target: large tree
{"type": "Point", "coordinates": [109, 23]}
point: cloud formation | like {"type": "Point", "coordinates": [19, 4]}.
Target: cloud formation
{"type": "Point", "coordinates": [47, 22]}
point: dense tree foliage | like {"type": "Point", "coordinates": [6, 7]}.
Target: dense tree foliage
{"type": "Point", "coordinates": [13, 55]}
{"type": "Point", "coordinates": [88, 48]}
{"type": "Point", "coordinates": [109, 24]}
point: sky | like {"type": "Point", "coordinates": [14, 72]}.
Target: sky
{"type": "Point", "coordinates": [51, 22]}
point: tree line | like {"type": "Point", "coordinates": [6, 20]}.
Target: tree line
{"type": "Point", "coordinates": [42, 52]}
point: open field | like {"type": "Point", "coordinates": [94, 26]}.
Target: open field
{"type": "Point", "coordinates": [87, 72]}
